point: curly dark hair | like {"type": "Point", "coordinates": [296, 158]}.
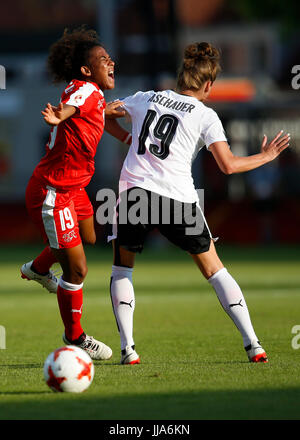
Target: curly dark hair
{"type": "Point", "coordinates": [70, 52]}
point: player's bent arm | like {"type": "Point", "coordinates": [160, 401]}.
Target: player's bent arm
{"type": "Point", "coordinates": [67, 111]}
{"type": "Point", "coordinates": [114, 128]}
{"type": "Point", "coordinates": [231, 164]}
{"type": "Point", "coordinates": [56, 115]}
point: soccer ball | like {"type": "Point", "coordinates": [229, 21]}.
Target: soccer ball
{"type": "Point", "coordinates": [69, 369]}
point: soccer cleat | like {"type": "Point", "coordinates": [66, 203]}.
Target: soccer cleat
{"type": "Point", "coordinates": [49, 281]}
{"type": "Point", "coordinates": [256, 353]}
{"type": "Point", "coordinates": [96, 349]}
{"type": "Point", "coordinates": [129, 356]}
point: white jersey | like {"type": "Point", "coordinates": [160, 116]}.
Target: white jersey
{"type": "Point", "coordinates": [168, 130]}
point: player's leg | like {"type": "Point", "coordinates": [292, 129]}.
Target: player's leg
{"type": "Point", "coordinates": [70, 254]}
{"type": "Point", "coordinates": [42, 263]}
{"type": "Point", "coordinates": [39, 268]}
{"type": "Point", "coordinates": [128, 238]}
{"type": "Point", "coordinates": [69, 292]}
{"type": "Point", "coordinates": [87, 230]}
{"type": "Point", "coordinates": [85, 216]}
{"type": "Point", "coordinates": [73, 262]}
{"type": "Point", "coordinates": [70, 301]}
{"type": "Point", "coordinates": [231, 299]}
{"type": "Point", "coordinates": [54, 213]}
{"type": "Point", "coordinates": [123, 300]}
{"type": "Point", "coordinates": [193, 235]}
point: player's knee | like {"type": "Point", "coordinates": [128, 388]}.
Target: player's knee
{"type": "Point", "coordinates": [93, 240]}
{"type": "Point", "coordinates": [210, 271]}
{"type": "Point", "coordinates": [90, 240]}
{"type": "Point", "coordinates": [81, 271]}
{"type": "Point", "coordinates": [88, 237]}
{"type": "Point", "coordinates": [76, 273]}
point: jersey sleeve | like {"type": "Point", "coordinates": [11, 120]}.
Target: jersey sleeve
{"type": "Point", "coordinates": [212, 129]}
{"type": "Point", "coordinates": [83, 98]}
{"type": "Point", "coordinates": [132, 102]}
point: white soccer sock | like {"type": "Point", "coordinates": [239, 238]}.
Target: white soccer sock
{"type": "Point", "coordinates": [123, 301]}
{"type": "Point", "coordinates": [234, 304]}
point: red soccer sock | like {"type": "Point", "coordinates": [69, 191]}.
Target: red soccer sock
{"type": "Point", "coordinates": [70, 301]}
{"type": "Point", "coordinates": [42, 263]}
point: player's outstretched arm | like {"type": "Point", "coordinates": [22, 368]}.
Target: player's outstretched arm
{"type": "Point", "coordinates": [55, 115]}
{"type": "Point", "coordinates": [230, 164]}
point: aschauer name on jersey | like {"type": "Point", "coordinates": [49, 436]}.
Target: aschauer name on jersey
{"type": "Point", "coordinates": [170, 103]}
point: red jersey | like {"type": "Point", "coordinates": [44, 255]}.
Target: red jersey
{"type": "Point", "coordinates": [70, 151]}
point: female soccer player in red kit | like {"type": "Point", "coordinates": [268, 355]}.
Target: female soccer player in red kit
{"type": "Point", "coordinates": [55, 197]}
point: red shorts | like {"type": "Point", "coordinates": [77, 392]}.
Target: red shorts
{"type": "Point", "coordinates": [57, 213]}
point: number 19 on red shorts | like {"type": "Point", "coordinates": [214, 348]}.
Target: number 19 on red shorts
{"type": "Point", "coordinates": [60, 221]}
{"type": "Point", "coordinates": [59, 218]}
{"type": "Point", "coordinates": [67, 225]}
{"type": "Point", "coordinates": [57, 213]}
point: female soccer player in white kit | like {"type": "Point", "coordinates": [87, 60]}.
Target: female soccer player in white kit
{"type": "Point", "coordinates": [168, 130]}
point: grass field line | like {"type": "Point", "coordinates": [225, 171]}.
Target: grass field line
{"type": "Point", "coordinates": [159, 297]}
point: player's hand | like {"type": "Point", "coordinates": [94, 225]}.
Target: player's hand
{"type": "Point", "coordinates": [52, 114]}
{"type": "Point", "coordinates": [276, 146]}
{"type": "Point", "coordinates": [114, 110]}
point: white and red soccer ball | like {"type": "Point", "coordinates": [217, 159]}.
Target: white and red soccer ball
{"type": "Point", "coordinates": [69, 369]}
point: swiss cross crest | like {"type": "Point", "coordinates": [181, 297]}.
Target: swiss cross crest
{"type": "Point", "coordinates": [68, 236]}
{"type": "Point", "coordinates": [78, 98]}
{"type": "Point", "coordinates": [100, 103]}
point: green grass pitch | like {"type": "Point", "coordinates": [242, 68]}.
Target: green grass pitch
{"type": "Point", "coordinates": [193, 366]}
